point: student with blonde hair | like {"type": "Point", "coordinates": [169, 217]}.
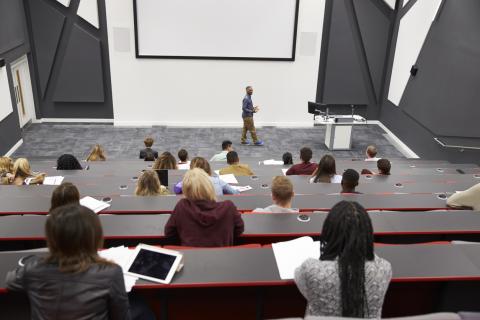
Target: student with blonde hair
{"type": "Point", "coordinates": [282, 196]}
{"type": "Point", "coordinates": [371, 153]}
{"type": "Point", "coordinates": [22, 173]}
{"type": "Point", "coordinates": [198, 220]}
{"type": "Point", "coordinates": [97, 154]}
{"type": "Point", "coordinates": [6, 170]}
{"type": "Point", "coordinates": [165, 161]}
{"type": "Point", "coordinates": [220, 186]}
{"type": "Point", "coordinates": [148, 184]}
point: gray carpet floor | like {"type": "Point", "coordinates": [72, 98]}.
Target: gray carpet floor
{"type": "Point", "coordinates": [51, 140]}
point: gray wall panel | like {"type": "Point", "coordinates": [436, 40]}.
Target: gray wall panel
{"type": "Point", "coordinates": [12, 33]}
{"type": "Point", "coordinates": [82, 61]}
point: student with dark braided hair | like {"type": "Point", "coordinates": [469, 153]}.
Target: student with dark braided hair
{"type": "Point", "coordinates": [68, 162]}
{"type": "Point", "coordinates": [348, 280]}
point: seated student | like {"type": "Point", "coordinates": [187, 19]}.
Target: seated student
{"type": "Point", "coordinates": [148, 153]}
{"type": "Point", "coordinates": [183, 163]}
{"type": "Point", "coordinates": [97, 154]}
{"type": "Point", "coordinates": [148, 184]}
{"type": "Point", "coordinates": [384, 167]}
{"type": "Point", "coordinates": [371, 153]}
{"type": "Point", "coordinates": [235, 167]}
{"type": "Point", "coordinates": [73, 281]}
{"type": "Point", "coordinates": [6, 170]}
{"type": "Point", "coordinates": [198, 220]}
{"type": "Point", "coordinates": [282, 195]}
{"type": "Point", "coordinates": [350, 181]}
{"type": "Point", "coordinates": [165, 161]}
{"type": "Point", "coordinates": [326, 171]}
{"type": "Point", "coordinates": [68, 162]}
{"type": "Point", "coordinates": [469, 198]}
{"type": "Point", "coordinates": [287, 158]}
{"type": "Point", "coordinates": [349, 279]}
{"type": "Point", "coordinates": [22, 174]}
{"type": "Point", "coordinates": [64, 194]}
{"type": "Point", "coordinates": [304, 168]}
{"type": "Point", "coordinates": [226, 148]}
{"type": "Point", "coordinates": [221, 187]}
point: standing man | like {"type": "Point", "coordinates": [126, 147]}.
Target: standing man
{"type": "Point", "coordinates": [247, 115]}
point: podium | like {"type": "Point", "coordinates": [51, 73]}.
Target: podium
{"type": "Point", "coordinates": [338, 131]}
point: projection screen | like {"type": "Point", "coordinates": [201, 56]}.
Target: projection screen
{"type": "Point", "coordinates": [216, 29]}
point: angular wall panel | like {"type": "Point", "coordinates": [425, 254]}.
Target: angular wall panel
{"type": "Point", "coordinates": [344, 82]}
{"type": "Point", "coordinates": [66, 3]}
{"type": "Point", "coordinates": [47, 25]}
{"type": "Point", "coordinates": [391, 3]}
{"type": "Point", "coordinates": [374, 28]}
{"type": "Point", "coordinates": [81, 75]}
{"type": "Point", "coordinates": [88, 10]}
{"type": "Point", "coordinates": [413, 30]}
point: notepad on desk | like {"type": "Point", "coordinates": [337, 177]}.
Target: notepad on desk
{"type": "Point", "coordinates": [94, 204]}
{"type": "Point", "coordinates": [120, 255]}
{"type": "Point", "coordinates": [284, 171]}
{"type": "Point", "coordinates": [53, 181]}
{"type": "Point", "coordinates": [242, 189]}
{"type": "Point", "coordinates": [272, 162]}
{"type": "Point", "coordinates": [289, 255]}
{"type": "Point", "coordinates": [228, 178]}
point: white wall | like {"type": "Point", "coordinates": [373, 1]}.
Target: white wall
{"type": "Point", "coordinates": [5, 101]}
{"type": "Point", "coordinates": [210, 92]}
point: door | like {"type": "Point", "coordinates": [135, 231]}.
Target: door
{"type": "Point", "coordinates": [22, 85]}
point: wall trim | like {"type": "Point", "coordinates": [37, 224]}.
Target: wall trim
{"type": "Point", "coordinates": [14, 148]}
{"type": "Point", "coordinates": [236, 124]}
{"type": "Point", "coordinates": [71, 120]}
{"type": "Point", "coordinates": [399, 144]}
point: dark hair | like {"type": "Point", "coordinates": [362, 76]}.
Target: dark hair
{"type": "Point", "coordinates": [74, 235]}
{"type": "Point", "coordinates": [326, 169]}
{"type": "Point", "coordinates": [384, 166]}
{"type": "Point", "coordinates": [226, 144]}
{"type": "Point", "coordinates": [66, 193]}
{"type": "Point", "coordinates": [183, 155]}
{"type": "Point", "coordinates": [246, 88]}
{"type": "Point", "coordinates": [232, 157]}
{"type": "Point", "coordinates": [350, 180]}
{"type": "Point", "coordinates": [287, 158]}
{"type": "Point", "coordinates": [366, 171]}
{"type": "Point", "coordinates": [347, 234]}
{"type": "Point", "coordinates": [68, 162]}
{"type": "Point", "coordinates": [305, 154]}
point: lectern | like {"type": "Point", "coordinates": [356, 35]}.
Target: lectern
{"type": "Point", "coordinates": [338, 131]}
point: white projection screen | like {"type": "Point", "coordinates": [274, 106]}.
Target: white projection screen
{"type": "Point", "coordinates": [216, 29]}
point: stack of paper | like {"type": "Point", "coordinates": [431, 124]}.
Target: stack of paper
{"type": "Point", "coordinates": [272, 162]}
{"type": "Point", "coordinates": [53, 181]}
{"type": "Point", "coordinates": [120, 255]}
{"type": "Point", "coordinates": [289, 255]}
{"type": "Point", "coordinates": [228, 178]}
{"type": "Point", "coordinates": [242, 189]}
{"type": "Point", "coordinates": [94, 204]}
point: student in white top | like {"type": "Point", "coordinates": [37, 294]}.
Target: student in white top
{"type": "Point", "coordinates": [469, 198]}
{"type": "Point", "coordinates": [282, 195]}
{"type": "Point", "coordinates": [371, 153]}
{"type": "Point", "coordinates": [326, 171]}
{"type": "Point", "coordinates": [226, 148]}
{"type": "Point", "coordinates": [183, 163]}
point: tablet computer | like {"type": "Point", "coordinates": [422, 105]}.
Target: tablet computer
{"type": "Point", "coordinates": [154, 263]}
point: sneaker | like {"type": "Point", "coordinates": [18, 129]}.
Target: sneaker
{"type": "Point", "coordinates": [259, 143]}
{"type": "Point", "coordinates": [245, 142]}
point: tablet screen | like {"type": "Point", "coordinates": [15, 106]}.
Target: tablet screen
{"type": "Point", "coordinates": [152, 264]}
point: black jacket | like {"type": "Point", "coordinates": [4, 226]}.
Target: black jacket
{"type": "Point", "coordinates": [96, 294]}
{"type": "Point", "coordinates": [148, 152]}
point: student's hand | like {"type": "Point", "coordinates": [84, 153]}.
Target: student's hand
{"type": "Point", "coordinates": [10, 177]}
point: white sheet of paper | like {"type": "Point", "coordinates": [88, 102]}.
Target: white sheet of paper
{"type": "Point", "coordinates": [228, 178]}
{"type": "Point", "coordinates": [289, 255]}
{"type": "Point", "coordinates": [94, 204]}
{"type": "Point", "coordinates": [284, 171]}
{"type": "Point", "coordinates": [242, 189]}
{"type": "Point", "coordinates": [53, 181]}
{"type": "Point", "coordinates": [272, 162]}
{"type": "Point", "coordinates": [217, 172]}
{"type": "Point", "coordinates": [120, 256]}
